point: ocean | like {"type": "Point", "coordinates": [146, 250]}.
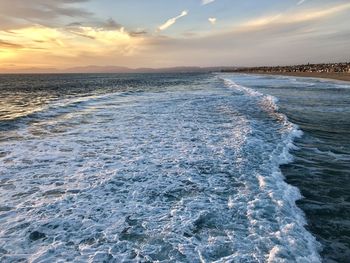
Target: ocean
{"type": "Point", "coordinates": [188, 167]}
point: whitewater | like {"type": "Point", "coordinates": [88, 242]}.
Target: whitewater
{"type": "Point", "coordinates": [163, 168]}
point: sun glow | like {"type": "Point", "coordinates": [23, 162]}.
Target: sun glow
{"type": "Point", "coordinates": [6, 54]}
{"type": "Point", "coordinates": [65, 35]}
{"type": "Point", "coordinates": [38, 42]}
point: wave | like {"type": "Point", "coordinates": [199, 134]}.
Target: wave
{"type": "Point", "coordinates": [61, 110]}
{"type": "Point", "coordinates": [282, 193]}
{"type": "Point", "coordinates": [189, 175]}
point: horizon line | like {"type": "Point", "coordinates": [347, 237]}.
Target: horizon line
{"type": "Point", "coordinates": [125, 70]}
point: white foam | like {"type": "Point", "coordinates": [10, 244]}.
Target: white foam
{"type": "Point", "coordinates": [281, 193]}
{"type": "Point", "coordinates": [183, 175]}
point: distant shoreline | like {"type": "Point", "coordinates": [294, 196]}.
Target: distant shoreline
{"type": "Point", "coordinates": [323, 75]}
{"type": "Point", "coordinates": [335, 71]}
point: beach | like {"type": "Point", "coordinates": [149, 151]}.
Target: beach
{"type": "Point", "coordinates": [323, 75]}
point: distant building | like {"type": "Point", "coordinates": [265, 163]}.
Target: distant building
{"type": "Point", "coordinates": [319, 68]}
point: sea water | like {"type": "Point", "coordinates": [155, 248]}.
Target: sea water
{"type": "Point", "coordinates": [165, 168]}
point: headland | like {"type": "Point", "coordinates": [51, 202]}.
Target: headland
{"type": "Point", "coordinates": [337, 71]}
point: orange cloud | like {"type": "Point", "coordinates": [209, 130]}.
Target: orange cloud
{"type": "Point", "coordinates": [39, 41]}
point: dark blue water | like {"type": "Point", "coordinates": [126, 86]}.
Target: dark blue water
{"type": "Point", "coordinates": [321, 167]}
{"type": "Point", "coordinates": [173, 168]}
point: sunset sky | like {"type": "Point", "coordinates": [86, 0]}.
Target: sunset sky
{"type": "Point", "coordinates": [164, 33]}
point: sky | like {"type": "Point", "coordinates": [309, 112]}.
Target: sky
{"type": "Point", "coordinates": [60, 34]}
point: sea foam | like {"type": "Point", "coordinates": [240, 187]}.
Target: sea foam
{"type": "Point", "coordinates": [283, 194]}
{"type": "Point", "coordinates": [187, 174]}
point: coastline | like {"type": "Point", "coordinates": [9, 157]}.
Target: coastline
{"type": "Point", "coordinates": [323, 75]}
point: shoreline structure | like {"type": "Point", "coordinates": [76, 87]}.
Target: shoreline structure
{"type": "Point", "coordinates": [337, 71]}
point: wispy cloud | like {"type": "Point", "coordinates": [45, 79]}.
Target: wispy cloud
{"type": "Point", "coordinates": [212, 20]}
{"type": "Point", "coordinates": [293, 37]}
{"type": "Point", "coordinates": [206, 2]}
{"type": "Point", "coordinates": [20, 13]}
{"type": "Point", "coordinates": [300, 2]}
{"type": "Point", "coordinates": [68, 44]}
{"type": "Point", "coordinates": [67, 33]}
{"type": "Point", "coordinates": [5, 44]}
{"type": "Point", "coordinates": [172, 21]}
{"type": "Point", "coordinates": [289, 18]}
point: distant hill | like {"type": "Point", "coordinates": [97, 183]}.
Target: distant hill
{"type": "Point", "coordinates": [117, 69]}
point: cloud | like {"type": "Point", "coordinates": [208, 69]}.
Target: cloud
{"type": "Point", "coordinates": [289, 38]}
{"type": "Point", "coordinates": [19, 13]}
{"type": "Point", "coordinates": [79, 29]}
{"type": "Point", "coordinates": [60, 32]}
{"type": "Point", "coordinates": [315, 34]}
{"type": "Point", "coordinates": [300, 2]}
{"type": "Point", "coordinates": [66, 46]}
{"type": "Point", "coordinates": [172, 21]}
{"type": "Point", "coordinates": [212, 20]}
{"type": "Point", "coordinates": [138, 33]}
{"type": "Point", "coordinates": [74, 24]}
{"type": "Point", "coordinates": [290, 18]}
{"type": "Point", "coordinates": [111, 24]}
{"type": "Point", "coordinates": [206, 2]}
{"type": "Point", "coordinates": [5, 44]}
